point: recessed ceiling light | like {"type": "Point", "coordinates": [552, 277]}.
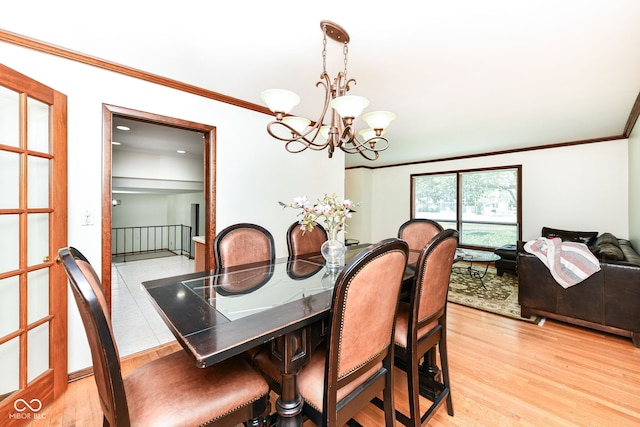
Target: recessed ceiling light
{"type": "Point", "coordinates": [123, 127]}
{"type": "Point", "coordinates": [181, 151]}
{"type": "Point", "coordinates": [115, 143]}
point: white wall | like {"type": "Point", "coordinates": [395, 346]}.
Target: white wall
{"type": "Point", "coordinates": [358, 190]}
{"type": "Point", "coordinates": [138, 210]}
{"type": "Point", "coordinates": [253, 170]}
{"type": "Point", "coordinates": [180, 208]}
{"type": "Point", "coordinates": [129, 164]}
{"type": "Point", "coordinates": [156, 209]}
{"type": "Point", "coordinates": [582, 187]}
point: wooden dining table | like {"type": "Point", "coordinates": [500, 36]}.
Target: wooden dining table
{"type": "Point", "coordinates": [218, 314]}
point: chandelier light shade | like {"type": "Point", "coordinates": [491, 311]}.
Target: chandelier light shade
{"type": "Point", "coordinates": [349, 107]}
{"type": "Point", "coordinates": [324, 132]}
{"type": "Point", "coordinates": [335, 128]}
{"type": "Point", "coordinates": [368, 134]}
{"type": "Point", "coordinates": [299, 124]}
{"type": "Point", "coordinates": [280, 101]}
{"type": "Point", "coordinates": [379, 119]}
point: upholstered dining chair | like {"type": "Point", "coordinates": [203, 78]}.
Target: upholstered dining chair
{"type": "Point", "coordinates": [307, 242]}
{"type": "Point", "coordinates": [421, 325]}
{"type": "Point", "coordinates": [170, 390]}
{"type": "Point", "coordinates": [243, 243]}
{"type": "Point", "coordinates": [356, 362]}
{"type": "Point", "coordinates": [418, 232]}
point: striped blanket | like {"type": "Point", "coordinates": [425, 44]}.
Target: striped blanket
{"type": "Point", "coordinates": [569, 262]}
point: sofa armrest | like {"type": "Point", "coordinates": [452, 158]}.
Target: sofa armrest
{"type": "Point", "coordinates": [535, 290]}
{"type": "Point", "coordinates": [622, 295]}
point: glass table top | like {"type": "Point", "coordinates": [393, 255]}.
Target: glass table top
{"type": "Point", "coordinates": [241, 293]}
{"type": "Point", "coordinates": [476, 255]}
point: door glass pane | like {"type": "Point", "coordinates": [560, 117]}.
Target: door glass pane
{"type": "Point", "coordinates": [9, 117]}
{"type": "Point", "coordinates": [10, 366]}
{"type": "Point", "coordinates": [38, 120]}
{"type": "Point", "coordinates": [9, 253]}
{"type": "Point", "coordinates": [9, 177]}
{"type": "Point", "coordinates": [9, 305]}
{"type": "Point", "coordinates": [38, 187]}
{"type": "Point", "coordinates": [38, 236]}
{"type": "Point", "coordinates": [38, 294]}
{"type": "Point", "coordinates": [38, 351]}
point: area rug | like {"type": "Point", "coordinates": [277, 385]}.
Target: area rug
{"type": "Point", "coordinates": [500, 295]}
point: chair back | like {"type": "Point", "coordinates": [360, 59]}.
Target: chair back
{"type": "Point", "coordinates": [94, 312]}
{"type": "Point", "coordinates": [419, 232]}
{"type": "Point", "coordinates": [431, 285]}
{"type": "Point", "coordinates": [305, 242]}
{"type": "Point", "coordinates": [243, 244]}
{"type": "Point", "coordinates": [362, 317]}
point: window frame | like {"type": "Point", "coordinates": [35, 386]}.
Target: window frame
{"type": "Point", "coordinates": [459, 199]}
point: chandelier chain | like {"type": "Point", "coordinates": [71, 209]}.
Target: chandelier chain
{"type": "Point", "coordinates": [324, 50]}
{"type": "Point", "coordinates": [345, 50]}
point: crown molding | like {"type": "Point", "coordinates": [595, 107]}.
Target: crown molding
{"type": "Point", "coordinates": [61, 52]}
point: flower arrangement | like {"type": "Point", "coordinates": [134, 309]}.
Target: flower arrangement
{"type": "Point", "coordinates": [333, 211]}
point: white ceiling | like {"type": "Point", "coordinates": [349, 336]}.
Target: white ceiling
{"type": "Point", "coordinates": [148, 137]}
{"type": "Point", "coordinates": [162, 140]}
{"type": "Point", "coordinates": [464, 77]}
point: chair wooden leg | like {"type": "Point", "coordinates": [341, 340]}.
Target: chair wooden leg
{"type": "Point", "coordinates": [389, 407]}
{"type": "Point", "coordinates": [413, 383]}
{"type": "Point", "coordinates": [444, 361]}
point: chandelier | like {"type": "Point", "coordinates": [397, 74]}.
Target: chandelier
{"type": "Point", "coordinates": [334, 129]}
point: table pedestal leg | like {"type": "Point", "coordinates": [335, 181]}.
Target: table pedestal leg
{"type": "Point", "coordinates": [289, 403]}
{"type": "Point", "coordinates": [429, 376]}
{"type": "Point", "coordinates": [290, 352]}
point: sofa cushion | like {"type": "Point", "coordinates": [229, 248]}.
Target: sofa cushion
{"type": "Point", "coordinates": [609, 251]}
{"type": "Point", "coordinates": [607, 238]}
{"type": "Point", "coordinates": [586, 237]}
{"type": "Point", "coordinates": [630, 255]}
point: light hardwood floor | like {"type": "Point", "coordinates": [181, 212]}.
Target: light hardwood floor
{"type": "Point", "coordinates": [504, 372]}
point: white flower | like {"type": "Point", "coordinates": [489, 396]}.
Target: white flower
{"type": "Point", "coordinates": [329, 209]}
{"type": "Point", "coordinates": [301, 202]}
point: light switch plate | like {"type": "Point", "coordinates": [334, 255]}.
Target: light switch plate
{"type": "Point", "coordinates": [87, 218]}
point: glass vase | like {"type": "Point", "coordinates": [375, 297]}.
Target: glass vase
{"type": "Point", "coordinates": [333, 251]}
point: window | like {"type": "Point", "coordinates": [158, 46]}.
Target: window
{"type": "Point", "coordinates": [482, 204]}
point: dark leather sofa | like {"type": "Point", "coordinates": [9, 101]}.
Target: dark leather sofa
{"type": "Point", "coordinates": [608, 301]}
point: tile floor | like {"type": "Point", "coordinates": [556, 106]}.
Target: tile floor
{"type": "Point", "coordinates": [136, 324]}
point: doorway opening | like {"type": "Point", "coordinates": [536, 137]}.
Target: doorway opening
{"type": "Point", "coordinates": [134, 224]}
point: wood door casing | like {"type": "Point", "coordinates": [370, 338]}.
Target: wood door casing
{"type": "Point", "coordinates": [209, 132]}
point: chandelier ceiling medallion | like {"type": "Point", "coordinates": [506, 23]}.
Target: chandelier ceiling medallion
{"type": "Point", "coordinates": [340, 110]}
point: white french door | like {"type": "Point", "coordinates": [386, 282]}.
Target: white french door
{"type": "Point", "coordinates": [33, 225]}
